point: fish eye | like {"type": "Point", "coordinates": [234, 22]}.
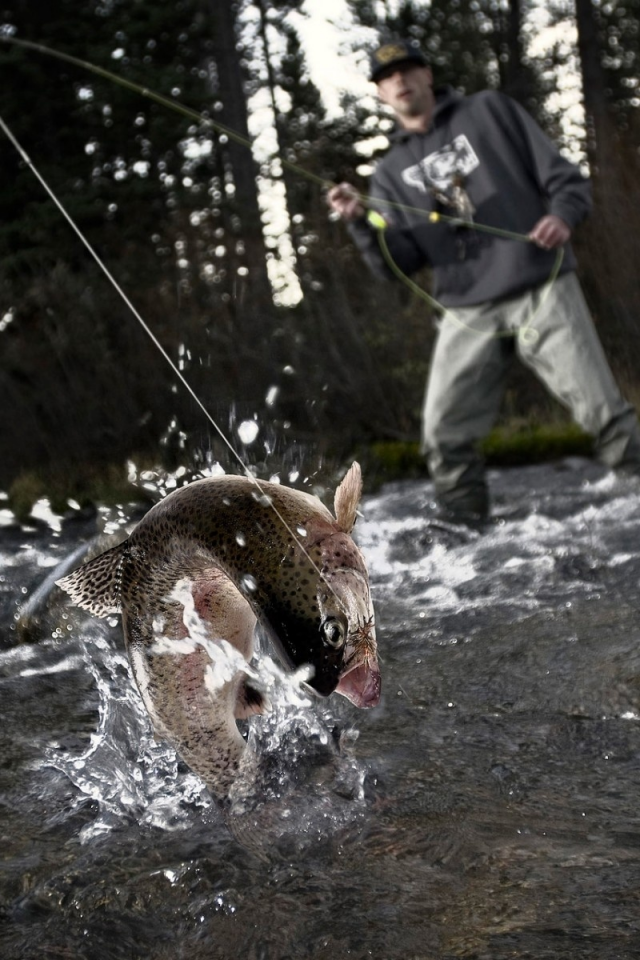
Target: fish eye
{"type": "Point", "coordinates": [334, 632]}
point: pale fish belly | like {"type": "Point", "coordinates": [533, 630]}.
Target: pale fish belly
{"type": "Point", "coordinates": [190, 662]}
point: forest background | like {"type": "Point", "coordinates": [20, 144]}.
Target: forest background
{"type": "Point", "coordinates": [270, 316]}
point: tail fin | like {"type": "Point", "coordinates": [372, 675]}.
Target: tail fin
{"type": "Point", "coordinates": [95, 586]}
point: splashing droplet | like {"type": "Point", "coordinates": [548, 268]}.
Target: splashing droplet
{"type": "Point", "coordinates": [248, 431]}
{"type": "Point", "coordinates": [272, 396]}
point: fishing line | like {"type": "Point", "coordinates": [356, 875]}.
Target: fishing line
{"type": "Point", "coordinates": [436, 217]}
{"type": "Point", "coordinates": [527, 332]}
{"type": "Point", "coordinates": [185, 383]}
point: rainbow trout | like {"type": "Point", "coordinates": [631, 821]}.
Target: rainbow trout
{"type": "Point", "coordinates": [200, 570]}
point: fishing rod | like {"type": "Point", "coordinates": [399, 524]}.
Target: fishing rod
{"type": "Point", "coordinates": [221, 128]}
{"type": "Point", "coordinates": [527, 332]}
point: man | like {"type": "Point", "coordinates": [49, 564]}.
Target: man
{"type": "Point", "coordinates": [483, 158]}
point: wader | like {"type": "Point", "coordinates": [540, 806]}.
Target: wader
{"type": "Point", "coordinates": [555, 337]}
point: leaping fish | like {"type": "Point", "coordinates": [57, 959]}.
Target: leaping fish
{"type": "Point", "coordinates": [213, 559]}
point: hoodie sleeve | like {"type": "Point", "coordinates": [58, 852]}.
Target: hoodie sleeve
{"type": "Point", "coordinates": [567, 192]}
{"type": "Point", "coordinates": [406, 254]}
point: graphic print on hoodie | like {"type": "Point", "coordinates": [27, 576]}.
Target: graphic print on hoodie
{"type": "Point", "coordinates": [440, 168]}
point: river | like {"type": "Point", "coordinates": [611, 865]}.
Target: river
{"type": "Point", "coordinates": [487, 809]}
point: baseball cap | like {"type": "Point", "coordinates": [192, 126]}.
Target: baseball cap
{"type": "Point", "coordinates": [391, 53]}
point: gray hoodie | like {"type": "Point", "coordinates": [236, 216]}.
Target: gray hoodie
{"type": "Point", "coordinates": [512, 174]}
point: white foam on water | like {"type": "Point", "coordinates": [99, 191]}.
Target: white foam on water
{"type": "Point", "coordinates": [68, 663]}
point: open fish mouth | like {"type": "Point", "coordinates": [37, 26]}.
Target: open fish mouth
{"type": "Point", "coordinates": [361, 685]}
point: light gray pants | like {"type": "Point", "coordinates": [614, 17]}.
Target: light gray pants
{"type": "Point", "coordinates": [554, 336]}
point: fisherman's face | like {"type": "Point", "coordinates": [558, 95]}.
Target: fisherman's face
{"type": "Point", "coordinates": [407, 88]}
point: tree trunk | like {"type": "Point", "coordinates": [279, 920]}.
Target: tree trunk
{"type": "Point", "coordinates": [239, 158]}
{"type": "Point", "coordinates": [515, 75]}
{"type": "Point", "coordinates": [612, 238]}
{"type": "Point", "coordinates": [281, 136]}
{"type": "Point", "coordinates": [599, 126]}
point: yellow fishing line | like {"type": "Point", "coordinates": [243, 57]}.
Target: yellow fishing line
{"type": "Point", "coordinates": [527, 332]}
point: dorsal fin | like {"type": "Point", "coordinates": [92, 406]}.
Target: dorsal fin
{"type": "Point", "coordinates": [347, 498]}
{"type": "Point", "coordinates": [95, 586]}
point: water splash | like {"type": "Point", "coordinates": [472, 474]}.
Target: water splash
{"type": "Point", "coordinates": [305, 782]}
{"type": "Point", "coordinates": [123, 768]}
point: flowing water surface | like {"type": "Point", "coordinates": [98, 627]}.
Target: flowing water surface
{"type": "Point", "coordinates": [488, 808]}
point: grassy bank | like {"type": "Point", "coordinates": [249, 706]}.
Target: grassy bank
{"type": "Point", "coordinates": [508, 445]}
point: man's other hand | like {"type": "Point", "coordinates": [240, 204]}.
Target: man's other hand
{"type": "Point", "coordinates": [345, 200]}
{"type": "Point", "coordinates": [550, 232]}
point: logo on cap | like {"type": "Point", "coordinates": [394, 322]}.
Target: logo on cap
{"type": "Point", "coordinates": [391, 51]}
